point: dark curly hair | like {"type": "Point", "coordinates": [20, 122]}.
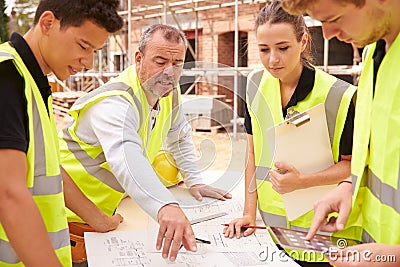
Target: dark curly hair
{"type": "Point", "coordinates": [104, 13]}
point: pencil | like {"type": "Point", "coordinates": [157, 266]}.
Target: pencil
{"type": "Point", "coordinates": [200, 240]}
{"type": "Point", "coordinates": [249, 226]}
{"type": "Point", "coordinates": [203, 241]}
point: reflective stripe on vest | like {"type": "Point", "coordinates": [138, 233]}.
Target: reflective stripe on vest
{"type": "Point", "coordinates": [43, 184]}
{"type": "Point", "coordinates": [92, 165]}
{"type": "Point", "coordinates": [4, 54]}
{"type": "Point", "coordinates": [376, 149]}
{"type": "Point", "coordinates": [44, 179]}
{"type": "Point", "coordinates": [387, 194]}
{"type": "Point", "coordinates": [118, 86]}
{"type": "Point", "coordinates": [338, 102]}
{"type": "Point", "coordinates": [366, 238]}
{"type": "Point", "coordinates": [8, 254]}
{"type": "Point", "coordinates": [279, 221]}
{"type": "Point", "coordinates": [46, 185]}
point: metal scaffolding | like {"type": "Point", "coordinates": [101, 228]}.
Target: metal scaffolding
{"type": "Point", "coordinates": [117, 55]}
{"type": "Point", "coordinates": [119, 46]}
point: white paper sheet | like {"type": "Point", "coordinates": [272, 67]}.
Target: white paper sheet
{"type": "Point", "coordinates": [127, 248]}
{"type": "Point", "coordinates": [116, 249]}
{"type": "Point", "coordinates": [219, 243]}
{"type": "Point", "coordinates": [194, 209]}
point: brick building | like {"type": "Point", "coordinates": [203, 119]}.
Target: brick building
{"type": "Point", "coordinates": [210, 29]}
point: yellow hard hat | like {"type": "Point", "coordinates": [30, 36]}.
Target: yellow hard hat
{"type": "Point", "coordinates": [165, 167]}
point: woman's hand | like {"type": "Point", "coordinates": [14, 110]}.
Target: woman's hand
{"type": "Point", "coordinates": [235, 227]}
{"type": "Point", "coordinates": [285, 178]}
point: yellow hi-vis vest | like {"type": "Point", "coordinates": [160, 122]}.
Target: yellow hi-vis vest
{"type": "Point", "coordinates": [87, 165]}
{"type": "Point", "coordinates": [44, 174]}
{"type": "Point", "coordinates": [264, 105]}
{"type": "Point", "coordinates": [376, 148]}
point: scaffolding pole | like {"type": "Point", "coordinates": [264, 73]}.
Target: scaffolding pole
{"type": "Point", "coordinates": [326, 54]}
{"type": "Point", "coordinates": [236, 63]}
{"type": "Point", "coordinates": [129, 33]}
{"type": "Point", "coordinates": [165, 12]}
{"type": "Point", "coordinates": [196, 35]}
{"type": "Point", "coordinates": [190, 48]}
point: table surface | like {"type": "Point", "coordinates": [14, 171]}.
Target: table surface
{"type": "Point", "coordinates": [136, 219]}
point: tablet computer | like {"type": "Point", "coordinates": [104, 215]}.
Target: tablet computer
{"type": "Point", "coordinates": [293, 239]}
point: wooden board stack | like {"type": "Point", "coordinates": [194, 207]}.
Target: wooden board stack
{"type": "Point", "coordinates": [62, 102]}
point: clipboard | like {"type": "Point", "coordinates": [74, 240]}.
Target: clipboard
{"type": "Point", "coordinates": [302, 140]}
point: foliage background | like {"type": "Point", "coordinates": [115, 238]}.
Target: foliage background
{"type": "Point", "coordinates": [4, 35]}
{"type": "Point", "coordinates": [25, 12]}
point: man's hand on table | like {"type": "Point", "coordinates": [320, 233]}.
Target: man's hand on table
{"type": "Point", "coordinates": [174, 230]}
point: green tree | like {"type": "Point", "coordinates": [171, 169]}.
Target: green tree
{"type": "Point", "coordinates": [25, 13]}
{"type": "Point", "coordinates": [3, 22]}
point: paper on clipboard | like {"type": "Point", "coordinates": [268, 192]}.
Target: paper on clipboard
{"type": "Point", "coordinates": [307, 147]}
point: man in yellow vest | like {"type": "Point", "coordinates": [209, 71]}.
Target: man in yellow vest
{"type": "Point", "coordinates": [33, 230]}
{"type": "Point", "coordinates": [119, 128]}
{"type": "Point", "coordinates": [376, 146]}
